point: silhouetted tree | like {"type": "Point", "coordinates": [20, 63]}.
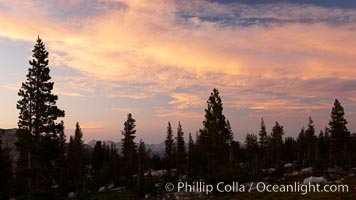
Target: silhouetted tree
{"type": "Point", "coordinates": [230, 134]}
{"type": "Point", "coordinates": [310, 142]}
{"type": "Point", "coordinates": [251, 144]}
{"type": "Point", "coordinates": [191, 155]}
{"type": "Point", "coordinates": [276, 143]}
{"type": "Point", "coordinates": [156, 162]}
{"type": "Point", "coordinates": [169, 149]}
{"type": "Point", "coordinates": [339, 135]}
{"type": "Point", "coordinates": [263, 135]}
{"type": "Point", "coordinates": [214, 139]}
{"type": "Point", "coordinates": [128, 146]}
{"type": "Point", "coordinates": [97, 162]}
{"type": "Point", "coordinates": [75, 160]}
{"type": "Point", "coordinates": [114, 165]}
{"type": "Point", "coordinates": [289, 150]}
{"type": "Point", "coordinates": [301, 142]}
{"type": "Point", "coordinates": [181, 154]}
{"type": "Point", "coordinates": [230, 140]}
{"type": "Point", "coordinates": [236, 158]}
{"type": "Point", "coordinates": [263, 142]}
{"type": "Point", "coordinates": [60, 169]}
{"type": "Point", "coordinates": [254, 164]}
{"type": "Point", "coordinates": [142, 162]}
{"type": "Point", "coordinates": [322, 150]}
{"type": "Point", "coordinates": [39, 133]}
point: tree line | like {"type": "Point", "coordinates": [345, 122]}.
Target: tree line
{"type": "Point", "coordinates": [49, 167]}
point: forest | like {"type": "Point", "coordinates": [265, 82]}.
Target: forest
{"type": "Point", "coordinates": [51, 166]}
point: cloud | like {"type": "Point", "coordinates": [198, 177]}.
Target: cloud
{"type": "Point", "coordinates": [12, 87]}
{"type": "Point", "coordinates": [124, 110]}
{"type": "Point", "coordinates": [139, 49]}
{"type": "Point", "coordinates": [186, 100]}
{"type": "Point", "coordinates": [72, 94]}
{"type": "Point", "coordinates": [165, 113]}
{"type": "Point", "coordinates": [92, 126]}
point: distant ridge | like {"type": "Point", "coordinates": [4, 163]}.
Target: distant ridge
{"type": "Point", "coordinates": [155, 148]}
{"type": "Point", "coordinates": [11, 131]}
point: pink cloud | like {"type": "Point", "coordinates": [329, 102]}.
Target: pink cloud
{"type": "Point", "coordinates": [148, 43]}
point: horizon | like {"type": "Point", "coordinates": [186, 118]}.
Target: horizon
{"type": "Point", "coordinates": [282, 61]}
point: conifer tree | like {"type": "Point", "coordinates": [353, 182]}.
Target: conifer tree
{"type": "Point", "coordinates": [128, 146]}
{"type": "Point", "coordinates": [251, 145]}
{"type": "Point", "coordinates": [263, 143]}
{"type": "Point", "coordinates": [310, 142]}
{"type": "Point", "coordinates": [289, 150]}
{"type": "Point", "coordinates": [97, 161]}
{"type": "Point", "coordinates": [75, 160]}
{"type": "Point", "coordinates": [277, 142]}
{"type": "Point", "coordinates": [142, 163]}
{"type": "Point", "coordinates": [230, 141]}
{"type": "Point", "coordinates": [230, 134]}
{"type": "Point", "coordinates": [301, 142]}
{"type": "Point", "coordinates": [322, 150]}
{"type": "Point", "coordinates": [39, 132]}
{"type": "Point", "coordinates": [252, 154]}
{"type": "Point", "coordinates": [115, 164]}
{"type": "Point", "coordinates": [339, 134]}
{"type": "Point", "coordinates": [61, 165]}
{"type": "Point", "coordinates": [263, 135]}
{"type": "Point", "coordinates": [215, 138]}
{"type": "Point", "coordinates": [169, 149]}
{"type": "Point", "coordinates": [181, 152]}
{"type": "Point", "coordinates": [191, 155]}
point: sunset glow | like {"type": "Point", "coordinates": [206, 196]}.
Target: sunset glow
{"type": "Point", "coordinates": [159, 60]}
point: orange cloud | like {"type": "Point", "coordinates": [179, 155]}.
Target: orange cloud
{"type": "Point", "coordinates": [176, 113]}
{"type": "Point", "coordinates": [148, 43]}
{"type": "Point", "coordinates": [186, 100]}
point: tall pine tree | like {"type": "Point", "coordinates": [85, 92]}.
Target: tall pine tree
{"type": "Point", "coordinates": [39, 134]}
{"type": "Point", "coordinates": [263, 143]}
{"type": "Point", "coordinates": [75, 160]}
{"type": "Point", "coordinates": [263, 135]}
{"type": "Point", "coordinates": [169, 149]}
{"type": "Point", "coordinates": [191, 155]}
{"type": "Point", "coordinates": [142, 162]}
{"type": "Point", "coordinates": [310, 139]}
{"type": "Point", "coordinates": [276, 144]}
{"type": "Point", "coordinates": [128, 146]}
{"type": "Point", "coordinates": [181, 152]}
{"type": "Point", "coordinates": [97, 161]}
{"type": "Point", "coordinates": [339, 135]}
{"type": "Point", "coordinates": [252, 154]}
{"type": "Point", "coordinates": [215, 138]}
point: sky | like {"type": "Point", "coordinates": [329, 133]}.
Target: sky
{"type": "Point", "coordinates": [159, 60]}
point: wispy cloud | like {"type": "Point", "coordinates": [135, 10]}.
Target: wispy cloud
{"type": "Point", "coordinates": [186, 100]}
{"type": "Point", "coordinates": [12, 86]}
{"type": "Point", "coordinates": [124, 110]}
{"type": "Point", "coordinates": [73, 94]}
{"type": "Point", "coordinates": [138, 49]}
{"type": "Point", "coordinates": [177, 114]}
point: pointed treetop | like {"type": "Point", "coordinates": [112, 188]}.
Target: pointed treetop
{"type": "Point", "coordinates": [39, 41]}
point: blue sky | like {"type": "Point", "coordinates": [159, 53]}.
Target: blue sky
{"type": "Point", "coordinates": [159, 60]}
